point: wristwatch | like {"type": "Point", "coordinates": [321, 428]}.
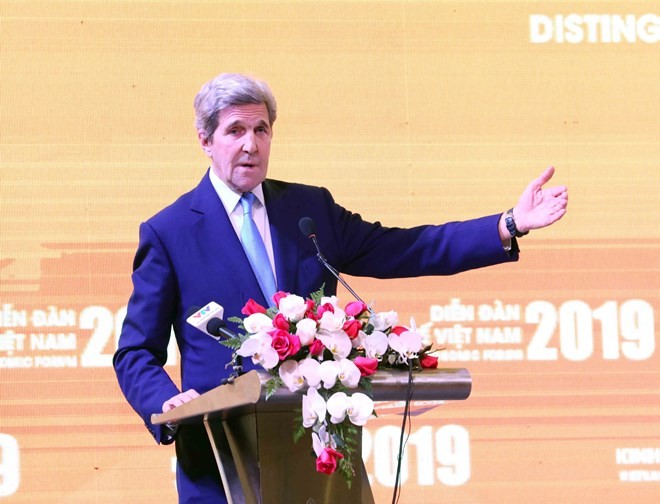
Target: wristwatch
{"type": "Point", "coordinates": [511, 224]}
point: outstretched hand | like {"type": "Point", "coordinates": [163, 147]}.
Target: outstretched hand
{"type": "Point", "coordinates": [539, 207]}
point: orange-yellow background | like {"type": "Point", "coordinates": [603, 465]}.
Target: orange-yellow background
{"type": "Point", "coordinates": [409, 112]}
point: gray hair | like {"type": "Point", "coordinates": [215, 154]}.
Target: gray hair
{"type": "Point", "coordinates": [227, 90]}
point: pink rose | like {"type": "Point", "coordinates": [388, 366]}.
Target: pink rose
{"type": "Point", "coordinates": [352, 328]}
{"type": "Point", "coordinates": [280, 322]}
{"type": "Point", "coordinates": [279, 295]}
{"type": "Point", "coordinates": [284, 343]}
{"type": "Point", "coordinates": [316, 348]}
{"type": "Point", "coordinates": [252, 307]}
{"type": "Point", "coordinates": [398, 330]}
{"type": "Point", "coordinates": [355, 309]}
{"type": "Point", "coordinates": [428, 362]}
{"type": "Point", "coordinates": [326, 462]}
{"type": "Point", "coordinates": [366, 365]}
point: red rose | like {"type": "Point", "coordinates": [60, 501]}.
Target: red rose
{"type": "Point", "coordinates": [279, 295]}
{"type": "Point", "coordinates": [324, 308]}
{"type": "Point", "coordinates": [355, 308]}
{"type": "Point", "coordinates": [310, 310]}
{"type": "Point", "coordinates": [326, 462]}
{"type": "Point", "coordinates": [398, 330]}
{"type": "Point", "coordinates": [284, 343]}
{"type": "Point", "coordinates": [252, 307]}
{"type": "Point", "coordinates": [316, 348]}
{"type": "Point", "coordinates": [428, 362]}
{"type": "Point", "coordinates": [280, 322]}
{"type": "Point", "coordinates": [366, 365]}
{"type": "Point", "coordinates": [352, 328]}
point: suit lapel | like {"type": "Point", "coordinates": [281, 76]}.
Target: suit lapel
{"type": "Point", "coordinates": [285, 235]}
{"type": "Point", "coordinates": [225, 253]}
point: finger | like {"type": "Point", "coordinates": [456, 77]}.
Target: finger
{"type": "Point", "coordinates": [189, 395]}
{"type": "Point", "coordinates": [558, 214]}
{"type": "Point", "coordinates": [171, 404]}
{"type": "Point", "coordinates": [558, 191]}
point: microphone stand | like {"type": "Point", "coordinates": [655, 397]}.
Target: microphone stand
{"type": "Point", "coordinates": [336, 273]}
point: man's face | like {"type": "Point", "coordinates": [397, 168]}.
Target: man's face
{"type": "Point", "coordinates": [240, 146]}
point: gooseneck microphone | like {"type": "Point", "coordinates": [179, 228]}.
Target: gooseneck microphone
{"type": "Point", "coordinates": [307, 227]}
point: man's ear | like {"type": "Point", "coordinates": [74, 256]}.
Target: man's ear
{"type": "Point", "coordinates": [204, 141]}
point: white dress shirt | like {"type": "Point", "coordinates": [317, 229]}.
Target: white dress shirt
{"type": "Point", "coordinates": [231, 201]}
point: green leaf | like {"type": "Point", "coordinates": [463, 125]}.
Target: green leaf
{"type": "Point", "coordinates": [272, 385]}
{"type": "Point", "coordinates": [346, 470]}
{"type": "Point", "coordinates": [298, 433]}
{"type": "Point", "coordinates": [236, 320]}
{"type": "Point", "coordinates": [365, 383]}
{"type": "Point", "coordinates": [317, 295]}
{"type": "Point", "coordinates": [233, 343]}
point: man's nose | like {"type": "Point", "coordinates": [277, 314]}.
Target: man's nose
{"type": "Point", "coordinates": [250, 143]}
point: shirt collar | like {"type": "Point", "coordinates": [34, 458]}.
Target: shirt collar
{"type": "Point", "coordinates": [230, 198]}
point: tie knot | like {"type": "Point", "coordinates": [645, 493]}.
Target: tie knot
{"type": "Point", "coordinates": [247, 200]}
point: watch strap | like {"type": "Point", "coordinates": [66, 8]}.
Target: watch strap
{"type": "Point", "coordinates": [511, 224]}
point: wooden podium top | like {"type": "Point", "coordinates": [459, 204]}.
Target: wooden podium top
{"type": "Point", "coordinates": [247, 392]}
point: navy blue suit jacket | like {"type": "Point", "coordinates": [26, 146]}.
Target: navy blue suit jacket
{"type": "Point", "coordinates": [189, 255]}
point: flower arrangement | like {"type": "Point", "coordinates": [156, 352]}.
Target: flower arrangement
{"type": "Point", "coordinates": [324, 351]}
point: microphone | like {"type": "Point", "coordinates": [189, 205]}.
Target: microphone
{"type": "Point", "coordinates": [209, 321]}
{"type": "Point", "coordinates": [201, 317]}
{"type": "Point", "coordinates": [217, 327]}
{"type": "Point", "coordinates": [307, 227]}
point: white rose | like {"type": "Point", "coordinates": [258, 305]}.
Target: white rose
{"type": "Point", "coordinates": [293, 307]}
{"type": "Point", "coordinates": [333, 321]}
{"type": "Point", "coordinates": [384, 320]}
{"type": "Point", "coordinates": [306, 331]}
{"type": "Point", "coordinates": [258, 322]}
{"type": "Point", "coordinates": [333, 300]}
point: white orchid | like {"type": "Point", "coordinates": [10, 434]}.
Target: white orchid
{"type": "Point", "coordinates": [359, 407]}
{"type": "Point", "coordinates": [375, 345]}
{"type": "Point", "coordinates": [328, 371]}
{"type": "Point", "coordinates": [291, 376]}
{"type": "Point", "coordinates": [321, 440]}
{"type": "Point", "coordinates": [358, 341]}
{"type": "Point", "coordinates": [293, 307]}
{"type": "Point", "coordinates": [343, 370]}
{"type": "Point", "coordinates": [306, 331]}
{"type": "Point", "coordinates": [295, 374]}
{"type": "Point", "coordinates": [309, 369]}
{"type": "Point", "coordinates": [407, 344]}
{"type": "Point", "coordinates": [349, 374]}
{"type": "Point", "coordinates": [337, 342]}
{"type": "Point", "coordinates": [259, 347]}
{"type": "Point", "coordinates": [313, 408]}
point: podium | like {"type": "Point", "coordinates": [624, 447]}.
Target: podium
{"type": "Point", "coordinates": [252, 438]}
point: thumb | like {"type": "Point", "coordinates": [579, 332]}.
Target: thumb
{"type": "Point", "coordinates": [544, 177]}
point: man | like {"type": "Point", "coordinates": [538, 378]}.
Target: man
{"type": "Point", "coordinates": [192, 252]}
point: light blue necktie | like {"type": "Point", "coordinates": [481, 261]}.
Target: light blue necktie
{"type": "Point", "coordinates": [256, 250]}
